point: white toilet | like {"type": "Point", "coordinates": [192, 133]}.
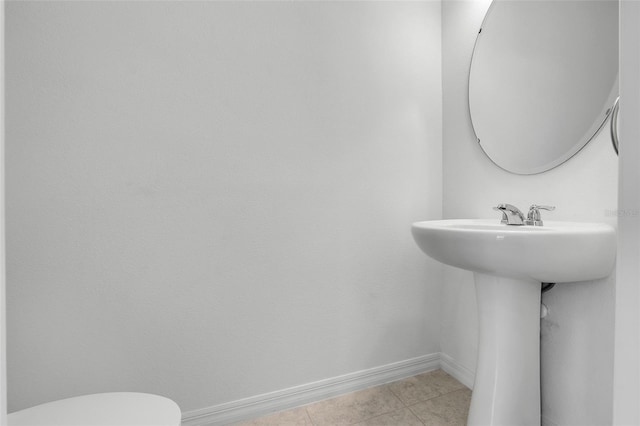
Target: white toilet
{"type": "Point", "coordinates": [102, 409]}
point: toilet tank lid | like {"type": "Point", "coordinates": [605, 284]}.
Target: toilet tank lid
{"type": "Point", "coordinates": [102, 409]}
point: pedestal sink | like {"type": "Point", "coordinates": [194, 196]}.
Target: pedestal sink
{"type": "Point", "coordinates": [509, 265]}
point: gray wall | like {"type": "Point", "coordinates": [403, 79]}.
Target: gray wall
{"type": "Point", "coordinates": [212, 200]}
{"type": "Point", "coordinates": [577, 335]}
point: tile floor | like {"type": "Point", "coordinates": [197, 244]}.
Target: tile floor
{"type": "Point", "coordinates": [429, 399]}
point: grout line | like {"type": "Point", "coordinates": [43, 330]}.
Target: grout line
{"type": "Point", "coordinates": [362, 390]}
{"type": "Point", "coordinates": [428, 399]}
{"type": "Point", "coordinates": [378, 415]}
{"type": "Point", "coordinates": [309, 415]}
{"type": "Point", "coordinates": [396, 395]}
{"type": "Point", "coordinates": [415, 415]}
{"type": "Point", "coordinates": [436, 397]}
{"type": "Point", "coordinates": [443, 394]}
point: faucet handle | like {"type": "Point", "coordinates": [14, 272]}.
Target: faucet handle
{"type": "Point", "coordinates": [533, 217]}
{"type": "Point", "coordinates": [540, 207]}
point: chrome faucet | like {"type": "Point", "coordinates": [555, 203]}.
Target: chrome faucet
{"type": "Point", "coordinates": [511, 215]}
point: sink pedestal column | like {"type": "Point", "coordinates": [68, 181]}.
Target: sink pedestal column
{"type": "Point", "coordinates": [507, 383]}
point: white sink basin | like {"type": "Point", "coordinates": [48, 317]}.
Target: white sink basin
{"type": "Point", "coordinates": [509, 265]}
{"type": "Point", "coordinates": [556, 252]}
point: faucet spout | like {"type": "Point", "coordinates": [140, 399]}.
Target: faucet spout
{"type": "Point", "coordinates": [511, 215]}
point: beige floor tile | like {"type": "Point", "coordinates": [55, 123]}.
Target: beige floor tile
{"type": "Point", "coordinates": [294, 417]}
{"type": "Point", "coordinates": [354, 407]}
{"type": "Point", "coordinates": [425, 386]}
{"type": "Point", "coordinates": [446, 410]}
{"type": "Point", "coordinates": [403, 417]}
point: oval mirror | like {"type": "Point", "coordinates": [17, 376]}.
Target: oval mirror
{"type": "Point", "coordinates": [543, 79]}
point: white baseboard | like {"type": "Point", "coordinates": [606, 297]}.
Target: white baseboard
{"type": "Point", "coordinates": [457, 370]}
{"type": "Point", "coordinates": [260, 405]}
